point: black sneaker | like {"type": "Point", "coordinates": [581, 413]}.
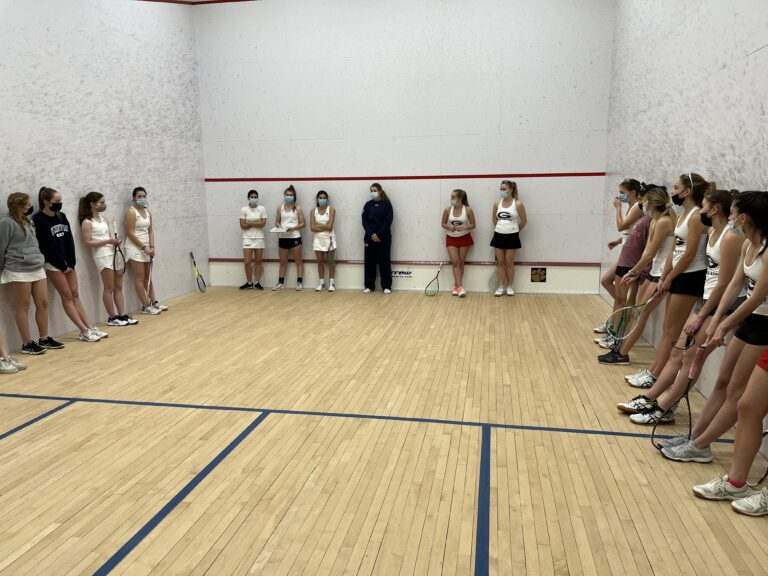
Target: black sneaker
{"type": "Point", "coordinates": [246, 286]}
{"type": "Point", "coordinates": [614, 358]}
{"type": "Point", "coordinates": [129, 319]}
{"type": "Point", "coordinates": [50, 344]}
{"type": "Point", "coordinates": [32, 348]}
{"type": "Point", "coordinates": [258, 286]}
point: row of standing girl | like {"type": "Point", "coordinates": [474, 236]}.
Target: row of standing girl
{"type": "Point", "coordinates": [41, 249]}
{"type": "Point", "coordinates": [458, 220]}
{"type": "Point", "coordinates": [714, 283]}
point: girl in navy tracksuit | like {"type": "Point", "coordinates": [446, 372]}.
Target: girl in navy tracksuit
{"type": "Point", "coordinates": [377, 221]}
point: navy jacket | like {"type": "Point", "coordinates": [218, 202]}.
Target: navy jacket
{"type": "Point", "coordinates": [377, 219]}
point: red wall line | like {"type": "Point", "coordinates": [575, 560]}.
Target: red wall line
{"type": "Point", "coordinates": [434, 262]}
{"type": "Point", "coordinates": [188, 3]}
{"type": "Point", "coordinates": [426, 177]}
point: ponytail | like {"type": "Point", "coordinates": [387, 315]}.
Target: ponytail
{"type": "Point", "coordinates": [44, 196]}
{"type": "Point", "coordinates": [512, 188]}
{"type": "Point", "coordinates": [84, 210]}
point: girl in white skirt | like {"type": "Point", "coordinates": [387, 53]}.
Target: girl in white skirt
{"type": "Point", "coordinates": [97, 236]}
{"type": "Point", "coordinates": [321, 221]}
{"type": "Point", "coordinates": [140, 249]}
{"type": "Point", "coordinates": [253, 218]}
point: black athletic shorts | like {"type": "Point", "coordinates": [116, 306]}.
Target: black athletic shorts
{"type": "Point", "coordinates": [288, 243]}
{"type": "Point", "coordinates": [689, 283]}
{"type": "Point", "coordinates": [621, 271]}
{"type": "Point", "coordinates": [754, 330]}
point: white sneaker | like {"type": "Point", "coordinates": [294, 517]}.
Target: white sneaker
{"type": "Point", "coordinates": [647, 380]}
{"type": "Point", "coordinates": [387, 291]}
{"type": "Point", "coordinates": [635, 406]}
{"type": "Point", "coordinates": [331, 287]}
{"type": "Point", "coordinates": [158, 306]}
{"type": "Point", "coordinates": [602, 329]}
{"type": "Point", "coordinates": [320, 287]}
{"type": "Point", "coordinates": [278, 286]}
{"type": "Point", "coordinates": [299, 286]}
{"type": "Point", "coordinates": [688, 452]}
{"type": "Point", "coordinates": [754, 505]}
{"type": "Point", "coordinates": [15, 362]}
{"type": "Point", "coordinates": [88, 336]}
{"type": "Point", "coordinates": [651, 416]}
{"type": "Point", "coordinates": [6, 367]}
{"type": "Point", "coordinates": [510, 291]}
{"type": "Point", "coordinates": [605, 342]}
{"type": "Point", "coordinates": [720, 489]}
{"type": "Point", "coordinates": [674, 441]}
{"type": "Point", "coordinates": [637, 375]}
{"type": "Point", "coordinates": [151, 310]}
{"type": "Point", "coordinates": [461, 293]}
{"type": "Point", "coordinates": [116, 321]}
{"type": "Point", "coordinates": [367, 291]}
{"type": "Point", "coordinates": [98, 332]}
{"type": "Point", "coordinates": [499, 291]}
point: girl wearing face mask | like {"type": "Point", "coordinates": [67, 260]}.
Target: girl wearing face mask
{"type": "Point", "coordinates": [723, 249]}
{"type": "Point", "coordinates": [97, 236]}
{"type": "Point", "coordinates": [140, 250]}
{"type": "Point", "coordinates": [290, 217]}
{"type": "Point", "coordinates": [253, 218]}
{"type": "Point", "coordinates": [321, 221]}
{"type": "Point", "coordinates": [628, 211]}
{"type": "Point", "coordinates": [58, 247]}
{"type": "Point", "coordinates": [749, 216]}
{"type": "Point", "coordinates": [377, 223]}
{"type": "Point", "coordinates": [458, 220]}
{"type": "Point", "coordinates": [22, 267]}
{"type": "Point", "coordinates": [646, 270]}
{"type": "Point", "coordinates": [509, 220]}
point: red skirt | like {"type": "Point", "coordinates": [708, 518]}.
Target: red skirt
{"type": "Point", "coordinates": [460, 241]}
{"type": "Point", "coordinates": [763, 361]}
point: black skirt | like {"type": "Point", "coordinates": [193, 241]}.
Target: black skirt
{"type": "Point", "coordinates": [506, 241]}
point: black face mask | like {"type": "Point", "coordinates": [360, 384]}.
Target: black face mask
{"type": "Point", "coordinates": [29, 212]}
{"type": "Point", "coordinates": [706, 220]}
{"type": "Point", "coordinates": [677, 201]}
{"type": "Point", "coordinates": [56, 206]}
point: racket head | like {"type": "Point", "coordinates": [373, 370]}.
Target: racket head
{"type": "Point", "coordinates": [681, 427]}
{"type": "Point", "coordinates": [432, 288]}
{"type": "Point", "coordinates": [118, 261]}
{"type": "Point", "coordinates": [201, 286]}
{"type": "Point", "coordinates": [764, 475]}
{"type": "Point", "coordinates": [623, 322]}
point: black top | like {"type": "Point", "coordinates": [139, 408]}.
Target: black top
{"type": "Point", "coordinates": [377, 219]}
{"type": "Point", "coordinates": [55, 239]}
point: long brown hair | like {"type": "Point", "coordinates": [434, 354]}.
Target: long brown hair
{"type": "Point", "coordinates": [512, 188]}
{"type": "Point", "coordinates": [697, 185]}
{"type": "Point", "coordinates": [84, 211]}
{"type": "Point", "coordinates": [16, 203]}
{"type": "Point", "coordinates": [462, 196]}
{"type": "Point", "coordinates": [45, 195]}
{"type": "Point", "coordinates": [382, 195]}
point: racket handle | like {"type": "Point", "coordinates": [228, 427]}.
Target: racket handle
{"type": "Point", "coordinates": [688, 341]}
{"type": "Point", "coordinates": [698, 360]}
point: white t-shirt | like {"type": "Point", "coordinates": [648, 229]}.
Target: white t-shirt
{"type": "Point", "coordinates": [253, 215]}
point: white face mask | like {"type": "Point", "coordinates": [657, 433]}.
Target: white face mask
{"type": "Point", "coordinates": [375, 195]}
{"type": "Point", "coordinates": [504, 194]}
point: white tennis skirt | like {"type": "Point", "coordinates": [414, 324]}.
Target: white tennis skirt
{"type": "Point", "coordinates": [253, 243]}
{"type": "Point", "coordinates": [322, 243]}
{"type": "Point", "coordinates": [133, 253]}
{"type": "Point", "coordinates": [9, 276]}
{"type": "Point", "coordinates": [105, 262]}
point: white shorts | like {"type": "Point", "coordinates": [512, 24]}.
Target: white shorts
{"type": "Point", "coordinates": [104, 262]}
{"type": "Point", "coordinates": [51, 267]}
{"type": "Point", "coordinates": [9, 276]}
{"type": "Point", "coordinates": [253, 243]}
{"type": "Point", "coordinates": [133, 253]}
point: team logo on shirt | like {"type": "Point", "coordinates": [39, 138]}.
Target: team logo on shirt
{"type": "Point", "coordinates": [504, 215]}
{"type": "Point", "coordinates": [750, 287]}
{"type": "Point", "coordinates": [679, 241]}
{"type": "Point", "coordinates": [456, 222]}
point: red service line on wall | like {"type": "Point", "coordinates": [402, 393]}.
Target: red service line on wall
{"type": "Point", "coordinates": [418, 177]}
{"type": "Point", "coordinates": [190, 3]}
{"type": "Point", "coordinates": [434, 262]}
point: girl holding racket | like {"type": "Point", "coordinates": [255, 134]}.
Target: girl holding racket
{"type": "Point", "coordinates": [321, 221]}
{"type": "Point", "coordinates": [290, 217]}
{"type": "Point", "coordinates": [458, 220]}
{"type": "Point", "coordinates": [140, 250]}
{"type": "Point", "coordinates": [723, 250]}
{"type": "Point", "coordinates": [752, 408]}
{"type": "Point", "coordinates": [8, 364]}
{"type": "Point", "coordinates": [22, 266]}
{"type": "Point", "coordinates": [628, 211]}
{"type": "Point", "coordinates": [661, 224]}
{"type": "Point", "coordinates": [97, 236]}
{"type": "Point", "coordinates": [58, 247]}
{"type": "Point", "coordinates": [509, 219]}
{"type": "Point", "coordinates": [253, 218]}
{"type": "Point", "coordinates": [377, 223]}
{"type": "Point", "coordinates": [749, 216]}
{"type": "Point", "coordinates": [682, 282]}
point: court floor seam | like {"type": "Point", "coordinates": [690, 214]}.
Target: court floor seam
{"type": "Point", "coordinates": [350, 415]}
{"type": "Point", "coordinates": [36, 419]}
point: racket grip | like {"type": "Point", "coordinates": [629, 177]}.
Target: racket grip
{"type": "Point", "coordinates": [698, 360]}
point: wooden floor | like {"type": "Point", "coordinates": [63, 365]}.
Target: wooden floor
{"type": "Point", "coordinates": [286, 433]}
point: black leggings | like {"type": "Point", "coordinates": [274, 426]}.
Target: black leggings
{"type": "Point", "coordinates": [377, 254]}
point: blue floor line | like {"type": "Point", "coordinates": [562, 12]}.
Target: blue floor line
{"type": "Point", "coordinates": [21, 427]}
{"type": "Point", "coordinates": [145, 530]}
{"type": "Point", "coordinates": [346, 415]}
{"type": "Point", "coordinates": [482, 540]}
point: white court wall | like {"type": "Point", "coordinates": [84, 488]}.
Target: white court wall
{"type": "Point", "coordinates": [103, 95]}
{"type": "Point", "coordinates": [688, 93]}
{"type": "Point", "coordinates": [337, 89]}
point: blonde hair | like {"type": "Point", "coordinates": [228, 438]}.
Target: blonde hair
{"type": "Point", "coordinates": [658, 198]}
{"type": "Point", "coordinates": [16, 203]}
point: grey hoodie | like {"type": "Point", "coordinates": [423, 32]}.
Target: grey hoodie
{"type": "Point", "coordinates": [19, 252]}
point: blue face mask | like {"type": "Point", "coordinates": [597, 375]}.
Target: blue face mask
{"type": "Point", "coordinates": [142, 202]}
{"type": "Point", "coordinates": [453, 202]}
{"type": "Point", "coordinates": [505, 194]}
{"type": "Point", "coordinates": [322, 202]}
{"type": "Point", "coordinates": [624, 198]}
{"type": "Point", "coordinates": [289, 199]}
{"type": "Point", "coordinates": [375, 195]}
{"type": "Point", "coordinates": [735, 229]}
{"type": "Point", "coordinates": [253, 202]}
